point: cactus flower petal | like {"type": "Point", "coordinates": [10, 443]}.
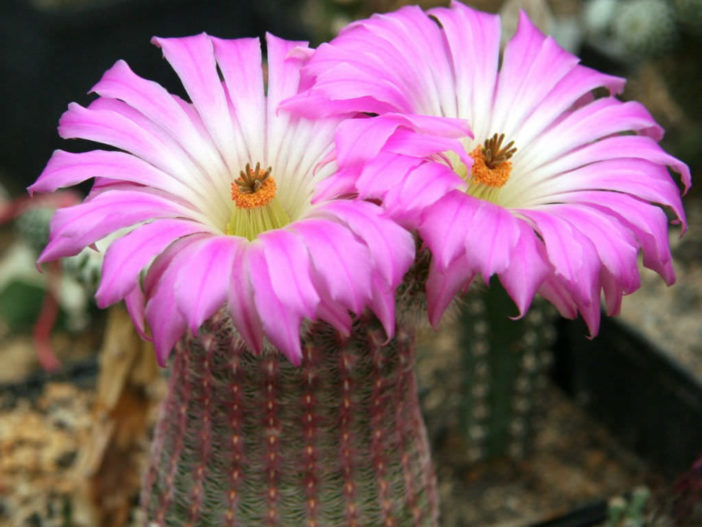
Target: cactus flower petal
{"type": "Point", "coordinates": [213, 203]}
{"type": "Point", "coordinates": [557, 185]}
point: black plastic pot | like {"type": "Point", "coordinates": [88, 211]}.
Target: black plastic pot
{"type": "Point", "coordinates": [589, 515]}
{"type": "Point", "coordinates": [649, 401]}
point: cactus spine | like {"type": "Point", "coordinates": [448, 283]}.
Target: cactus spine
{"type": "Point", "coordinates": [253, 440]}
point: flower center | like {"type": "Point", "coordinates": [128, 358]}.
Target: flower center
{"type": "Point", "coordinates": [256, 208]}
{"type": "Point", "coordinates": [254, 187]}
{"type": "Point", "coordinates": [491, 167]}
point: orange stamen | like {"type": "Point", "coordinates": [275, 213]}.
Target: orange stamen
{"type": "Point", "coordinates": [253, 188]}
{"type": "Point", "coordinates": [491, 165]}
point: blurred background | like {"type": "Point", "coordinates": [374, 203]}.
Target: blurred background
{"type": "Point", "coordinates": [53, 51]}
{"type": "Point", "coordinates": [72, 437]}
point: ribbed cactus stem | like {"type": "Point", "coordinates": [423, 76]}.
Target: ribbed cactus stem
{"type": "Point", "coordinates": [248, 440]}
{"type": "Point", "coordinates": [504, 363]}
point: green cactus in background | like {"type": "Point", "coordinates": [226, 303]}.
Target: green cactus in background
{"type": "Point", "coordinates": [32, 226]}
{"type": "Point", "coordinates": [504, 363]}
{"type": "Point", "coordinates": [630, 512]}
{"type": "Point", "coordinates": [644, 27]}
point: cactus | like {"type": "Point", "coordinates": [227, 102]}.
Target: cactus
{"type": "Point", "coordinates": [503, 366]}
{"type": "Point", "coordinates": [253, 440]}
{"type": "Point", "coordinates": [644, 27]}
{"type": "Point", "coordinates": [598, 16]}
{"type": "Point", "coordinates": [628, 513]}
{"type": "Point", "coordinates": [32, 226]}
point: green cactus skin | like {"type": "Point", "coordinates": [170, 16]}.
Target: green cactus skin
{"type": "Point", "coordinates": [245, 440]}
{"type": "Point", "coordinates": [504, 365]}
{"type": "Point", "coordinates": [32, 226]}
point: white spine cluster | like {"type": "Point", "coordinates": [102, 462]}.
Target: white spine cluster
{"type": "Point", "coordinates": [644, 27]}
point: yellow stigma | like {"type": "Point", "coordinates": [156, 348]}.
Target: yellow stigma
{"type": "Point", "coordinates": [491, 167]}
{"type": "Point", "coordinates": [256, 208]}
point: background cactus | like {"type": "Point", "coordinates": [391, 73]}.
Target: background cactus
{"type": "Point", "coordinates": [623, 512]}
{"type": "Point", "coordinates": [644, 27]}
{"type": "Point", "coordinates": [254, 440]}
{"type": "Point", "coordinates": [504, 364]}
{"type": "Point", "coordinates": [32, 227]}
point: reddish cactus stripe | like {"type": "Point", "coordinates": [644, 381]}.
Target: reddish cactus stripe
{"type": "Point", "coordinates": [379, 446]}
{"type": "Point", "coordinates": [160, 435]}
{"type": "Point", "coordinates": [309, 424]}
{"type": "Point", "coordinates": [182, 417]}
{"type": "Point", "coordinates": [401, 415]}
{"type": "Point", "coordinates": [416, 427]}
{"type": "Point", "coordinates": [345, 443]}
{"type": "Point", "coordinates": [272, 438]}
{"type": "Point", "coordinates": [209, 344]}
{"type": "Point", "coordinates": [263, 442]}
{"type": "Point", "coordinates": [236, 442]}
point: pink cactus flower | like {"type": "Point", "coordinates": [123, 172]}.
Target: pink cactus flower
{"type": "Point", "coordinates": [212, 201]}
{"type": "Point", "coordinates": [521, 164]}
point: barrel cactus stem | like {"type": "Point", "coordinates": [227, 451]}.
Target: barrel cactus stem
{"type": "Point", "coordinates": [254, 440]}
